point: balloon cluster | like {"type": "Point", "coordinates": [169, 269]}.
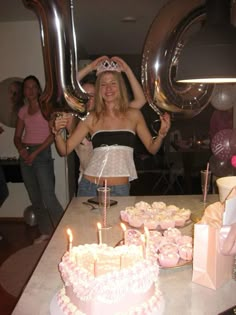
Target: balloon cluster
{"type": "Point", "coordinates": [223, 146]}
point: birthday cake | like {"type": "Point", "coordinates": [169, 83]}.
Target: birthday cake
{"type": "Point", "coordinates": [99, 279]}
{"type": "Point", "coordinates": [157, 215]}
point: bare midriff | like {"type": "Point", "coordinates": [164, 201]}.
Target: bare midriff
{"type": "Point", "coordinates": [111, 181]}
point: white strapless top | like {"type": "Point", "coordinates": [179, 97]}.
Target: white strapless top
{"type": "Point", "coordinates": [112, 161]}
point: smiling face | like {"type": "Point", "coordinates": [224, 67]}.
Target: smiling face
{"type": "Point", "coordinates": [109, 87]}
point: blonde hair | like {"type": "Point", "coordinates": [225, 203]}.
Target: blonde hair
{"type": "Point", "coordinates": [123, 102]}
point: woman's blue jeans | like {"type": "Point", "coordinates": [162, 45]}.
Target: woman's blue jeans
{"type": "Point", "coordinates": [39, 180]}
{"type": "Point", "coordinates": [87, 188]}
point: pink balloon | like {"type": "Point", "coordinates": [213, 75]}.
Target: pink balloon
{"type": "Point", "coordinates": [233, 160]}
{"type": "Point", "coordinates": [220, 168]}
{"type": "Point", "coordinates": [220, 144]}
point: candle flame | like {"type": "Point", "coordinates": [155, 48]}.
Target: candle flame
{"type": "Point", "coordinates": [70, 235]}
{"type": "Point", "coordinates": [99, 225]}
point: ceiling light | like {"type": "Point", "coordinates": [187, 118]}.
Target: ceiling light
{"type": "Point", "coordinates": [209, 56]}
{"type": "Point", "coordinates": [129, 19]}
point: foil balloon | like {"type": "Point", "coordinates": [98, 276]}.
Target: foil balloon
{"type": "Point", "coordinates": [220, 168]}
{"type": "Point", "coordinates": [170, 30]}
{"type": "Point", "coordinates": [58, 37]}
{"type": "Point", "coordinates": [224, 96]}
{"type": "Point", "coordinates": [220, 144]}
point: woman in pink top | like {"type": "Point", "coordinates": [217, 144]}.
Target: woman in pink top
{"type": "Point", "coordinates": [33, 141]}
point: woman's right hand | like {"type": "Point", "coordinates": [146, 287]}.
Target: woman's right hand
{"type": "Point", "coordinates": [61, 121]}
{"type": "Point", "coordinates": [95, 63]}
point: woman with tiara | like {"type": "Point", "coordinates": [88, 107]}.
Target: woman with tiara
{"type": "Point", "coordinates": [112, 124]}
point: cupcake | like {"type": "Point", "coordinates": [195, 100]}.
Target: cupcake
{"type": "Point", "coordinates": [186, 213]}
{"type": "Point", "coordinates": [172, 234]}
{"type": "Point", "coordinates": [167, 222]}
{"type": "Point", "coordinates": [186, 252]}
{"type": "Point", "coordinates": [124, 216]}
{"type": "Point", "coordinates": [179, 220]}
{"type": "Point", "coordinates": [136, 221]}
{"type": "Point", "coordinates": [158, 205]}
{"type": "Point", "coordinates": [168, 260]}
{"type": "Point", "coordinates": [184, 239]}
{"type": "Point", "coordinates": [168, 248]}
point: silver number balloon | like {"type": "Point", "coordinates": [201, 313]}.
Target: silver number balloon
{"type": "Point", "coordinates": [175, 22]}
{"type": "Point", "coordinates": [59, 44]}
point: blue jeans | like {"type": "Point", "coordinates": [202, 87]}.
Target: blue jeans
{"type": "Point", "coordinates": [89, 189]}
{"type": "Point", "coordinates": [4, 192]}
{"type": "Point", "coordinates": [39, 180]}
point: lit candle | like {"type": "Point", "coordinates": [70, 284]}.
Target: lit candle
{"type": "Point", "coordinates": [70, 238]}
{"type": "Point", "coordinates": [99, 226]}
{"type": "Point", "coordinates": [123, 226]}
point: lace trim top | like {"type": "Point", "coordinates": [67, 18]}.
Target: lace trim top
{"type": "Point", "coordinates": [112, 159]}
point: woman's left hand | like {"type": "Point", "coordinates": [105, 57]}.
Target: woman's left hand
{"type": "Point", "coordinates": [122, 64]}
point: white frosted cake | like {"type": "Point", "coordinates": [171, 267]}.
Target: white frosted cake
{"type": "Point", "coordinates": [99, 279]}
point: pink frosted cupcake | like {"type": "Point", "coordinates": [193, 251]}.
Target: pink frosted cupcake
{"type": "Point", "coordinates": [172, 234]}
{"type": "Point", "coordinates": [166, 223]}
{"type": "Point", "coordinates": [151, 224]}
{"type": "Point", "coordinates": [168, 248]}
{"type": "Point", "coordinates": [136, 221]}
{"type": "Point", "coordinates": [124, 216]}
{"type": "Point", "coordinates": [158, 205]}
{"type": "Point", "coordinates": [184, 239]}
{"type": "Point", "coordinates": [186, 213]}
{"type": "Point", "coordinates": [186, 252]}
{"type": "Point", "coordinates": [179, 220]}
{"type": "Point", "coordinates": [172, 209]}
{"type": "Point", "coordinates": [133, 237]}
{"type": "Point", "coordinates": [168, 260]}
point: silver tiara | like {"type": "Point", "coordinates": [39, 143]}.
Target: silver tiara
{"type": "Point", "coordinates": [107, 65]}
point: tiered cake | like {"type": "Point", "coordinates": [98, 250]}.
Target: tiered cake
{"type": "Point", "coordinates": [99, 279]}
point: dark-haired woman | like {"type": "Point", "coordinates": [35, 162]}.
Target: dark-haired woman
{"type": "Point", "coordinates": [33, 141]}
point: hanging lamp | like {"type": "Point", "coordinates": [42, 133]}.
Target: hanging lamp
{"type": "Point", "coordinates": [209, 56]}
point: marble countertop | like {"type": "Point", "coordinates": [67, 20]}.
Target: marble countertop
{"type": "Point", "coordinates": [182, 296]}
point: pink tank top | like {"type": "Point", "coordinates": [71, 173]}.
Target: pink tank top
{"type": "Point", "coordinates": [36, 126]}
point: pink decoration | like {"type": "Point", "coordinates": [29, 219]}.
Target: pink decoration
{"type": "Point", "coordinates": [233, 160]}
{"type": "Point", "coordinates": [220, 144]}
